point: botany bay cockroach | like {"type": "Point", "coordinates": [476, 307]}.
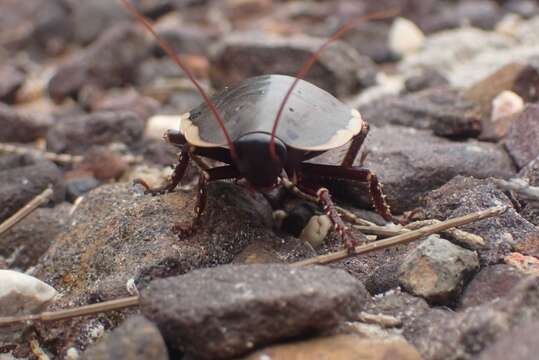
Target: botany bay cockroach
{"type": "Point", "coordinates": [239, 127]}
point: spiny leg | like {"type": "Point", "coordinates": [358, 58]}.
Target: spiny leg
{"type": "Point", "coordinates": [175, 178]}
{"type": "Point", "coordinates": [217, 173]}
{"type": "Point", "coordinates": [357, 174]}
{"type": "Point", "coordinates": [353, 149]}
{"type": "Point", "coordinates": [344, 232]}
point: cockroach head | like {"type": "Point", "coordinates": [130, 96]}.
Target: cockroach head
{"type": "Point", "coordinates": [255, 161]}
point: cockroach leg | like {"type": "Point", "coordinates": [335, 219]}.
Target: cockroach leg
{"type": "Point", "coordinates": [329, 208]}
{"type": "Point", "coordinates": [216, 173]}
{"type": "Point", "coordinates": [353, 149]}
{"type": "Point", "coordinates": [175, 178]}
{"type": "Point", "coordinates": [358, 174]}
{"type": "Point", "coordinates": [174, 137]}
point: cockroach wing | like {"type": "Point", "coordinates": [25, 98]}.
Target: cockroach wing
{"type": "Point", "coordinates": [313, 119]}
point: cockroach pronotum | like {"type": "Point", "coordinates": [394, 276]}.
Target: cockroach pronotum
{"type": "Point", "coordinates": [240, 127]}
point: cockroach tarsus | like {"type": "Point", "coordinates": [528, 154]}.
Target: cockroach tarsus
{"type": "Point", "coordinates": [238, 127]}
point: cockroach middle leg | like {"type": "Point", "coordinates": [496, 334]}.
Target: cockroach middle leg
{"type": "Point", "coordinates": [358, 174]}
{"type": "Point", "coordinates": [344, 232]}
{"type": "Point", "coordinates": [175, 178]}
{"type": "Point", "coordinates": [355, 146]}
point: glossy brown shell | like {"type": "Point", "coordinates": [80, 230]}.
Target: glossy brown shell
{"type": "Point", "coordinates": [313, 119]}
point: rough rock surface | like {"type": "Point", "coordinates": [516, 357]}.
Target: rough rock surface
{"type": "Point", "coordinates": [520, 344]}
{"type": "Point", "coordinates": [440, 109]}
{"type": "Point", "coordinates": [28, 240]}
{"type": "Point", "coordinates": [117, 234]}
{"type": "Point", "coordinates": [522, 137]}
{"type": "Point", "coordinates": [336, 71]}
{"type": "Point", "coordinates": [135, 339]}
{"type": "Point", "coordinates": [437, 270]}
{"type": "Point", "coordinates": [502, 234]}
{"type": "Point", "coordinates": [110, 61]}
{"type": "Point", "coordinates": [21, 184]}
{"type": "Point", "coordinates": [340, 347]}
{"type": "Point", "coordinates": [227, 311]}
{"type": "Point", "coordinates": [410, 162]}
{"type": "Point", "coordinates": [77, 134]}
{"type": "Point", "coordinates": [17, 127]}
{"type": "Point", "coordinates": [490, 283]}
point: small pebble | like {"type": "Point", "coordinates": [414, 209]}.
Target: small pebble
{"type": "Point", "coordinates": [405, 37]}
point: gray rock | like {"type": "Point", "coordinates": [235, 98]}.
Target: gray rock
{"type": "Point", "coordinates": [437, 270]}
{"type": "Point", "coordinates": [28, 240]}
{"type": "Point", "coordinates": [520, 344]}
{"type": "Point", "coordinates": [21, 184]}
{"type": "Point", "coordinates": [412, 162]}
{"type": "Point", "coordinates": [11, 80]}
{"type": "Point", "coordinates": [503, 234]}
{"type": "Point", "coordinates": [227, 311]}
{"type": "Point", "coordinates": [75, 135]}
{"type": "Point", "coordinates": [17, 127]}
{"type": "Point", "coordinates": [440, 109]}
{"type": "Point", "coordinates": [117, 234]}
{"type": "Point", "coordinates": [137, 338]}
{"type": "Point", "coordinates": [530, 173]}
{"type": "Point", "coordinates": [110, 61]}
{"type": "Point", "coordinates": [336, 71]}
{"type": "Point", "coordinates": [522, 137]}
{"type": "Point", "coordinates": [490, 283]}
{"type": "Point", "coordinates": [425, 78]}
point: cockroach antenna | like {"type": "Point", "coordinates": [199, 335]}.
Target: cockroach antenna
{"type": "Point", "coordinates": [379, 15]}
{"type": "Point", "coordinates": [168, 50]}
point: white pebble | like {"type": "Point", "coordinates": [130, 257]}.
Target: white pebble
{"type": "Point", "coordinates": [505, 104]}
{"type": "Point", "coordinates": [157, 125]}
{"type": "Point", "coordinates": [316, 230]}
{"type": "Point", "coordinates": [23, 294]}
{"type": "Point", "coordinates": [405, 37]}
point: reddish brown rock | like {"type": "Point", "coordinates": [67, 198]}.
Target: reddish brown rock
{"type": "Point", "coordinates": [522, 137]}
{"type": "Point", "coordinates": [11, 80]}
{"type": "Point", "coordinates": [18, 127]}
{"type": "Point", "coordinates": [492, 282]}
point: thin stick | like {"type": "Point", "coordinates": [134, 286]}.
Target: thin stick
{"type": "Point", "coordinates": [111, 305]}
{"type": "Point", "coordinates": [47, 155]}
{"type": "Point", "coordinates": [26, 210]}
{"type": "Point", "coordinates": [404, 238]}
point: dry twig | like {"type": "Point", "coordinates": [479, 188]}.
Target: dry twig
{"type": "Point", "coordinates": [22, 150]}
{"type": "Point", "coordinates": [26, 210]}
{"type": "Point", "coordinates": [405, 237]}
{"type": "Point", "coordinates": [520, 186]}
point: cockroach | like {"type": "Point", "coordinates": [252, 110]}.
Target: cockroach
{"type": "Point", "coordinates": [239, 127]}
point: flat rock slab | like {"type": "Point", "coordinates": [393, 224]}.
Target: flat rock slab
{"type": "Point", "coordinates": [411, 162]}
{"type": "Point", "coordinates": [136, 339]}
{"type": "Point", "coordinates": [227, 311]}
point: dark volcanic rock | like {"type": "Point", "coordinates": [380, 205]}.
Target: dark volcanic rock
{"type": "Point", "coordinates": [136, 339]}
{"type": "Point", "coordinates": [17, 127]}
{"type": "Point", "coordinates": [21, 184]}
{"type": "Point", "coordinates": [530, 210]}
{"type": "Point", "coordinates": [340, 70]}
{"type": "Point", "coordinates": [444, 335]}
{"type": "Point", "coordinates": [28, 240]}
{"type": "Point", "coordinates": [11, 80]}
{"type": "Point", "coordinates": [110, 61]}
{"type": "Point", "coordinates": [439, 109]}
{"type": "Point", "coordinates": [520, 344]}
{"type": "Point", "coordinates": [226, 311]}
{"type": "Point", "coordinates": [490, 283]}
{"type": "Point", "coordinates": [117, 234]}
{"type": "Point", "coordinates": [437, 270]}
{"type": "Point", "coordinates": [522, 137]}
{"type": "Point", "coordinates": [80, 185]}
{"type": "Point", "coordinates": [426, 77]}
{"type": "Point", "coordinates": [412, 162]}
{"type": "Point", "coordinates": [77, 134]}
{"type": "Point", "coordinates": [503, 233]}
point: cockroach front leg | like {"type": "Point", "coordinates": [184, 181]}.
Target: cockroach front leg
{"type": "Point", "coordinates": [217, 173]}
{"type": "Point", "coordinates": [175, 178]}
{"type": "Point", "coordinates": [344, 232]}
